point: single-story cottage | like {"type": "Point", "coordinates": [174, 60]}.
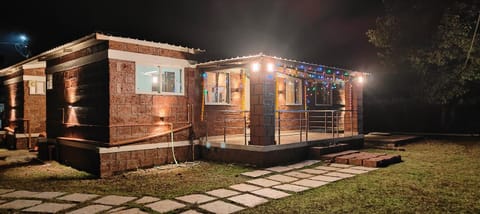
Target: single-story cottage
{"type": "Point", "coordinates": [115, 104]}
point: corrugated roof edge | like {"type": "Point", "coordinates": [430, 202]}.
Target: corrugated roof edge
{"type": "Point", "coordinates": [273, 57]}
{"type": "Point", "coordinates": [100, 36]}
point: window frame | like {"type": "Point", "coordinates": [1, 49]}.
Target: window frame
{"type": "Point", "coordinates": [161, 79]}
{"type": "Point", "coordinates": [300, 88]}
{"type": "Point", "coordinates": [229, 86]}
{"type": "Point", "coordinates": [330, 97]}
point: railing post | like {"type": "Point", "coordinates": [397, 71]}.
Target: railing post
{"type": "Point", "coordinates": [300, 127]}
{"type": "Point", "coordinates": [206, 126]}
{"type": "Point", "coordinates": [245, 127]}
{"type": "Point", "coordinates": [224, 129]}
{"type": "Point", "coordinates": [308, 124]}
{"type": "Point", "coordinates": [279, 127]}
{"type": "Point", "coordinates": [332, 124]}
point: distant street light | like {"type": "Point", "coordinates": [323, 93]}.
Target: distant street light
{"type": "Point", "coordinates": [20, 43]}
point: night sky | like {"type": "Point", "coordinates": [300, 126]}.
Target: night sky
{"type": "Point", "coordinates": [330, 32]}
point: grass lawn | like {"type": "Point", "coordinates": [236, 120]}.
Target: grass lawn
{"type": "Point", "coordinates": [437, 176]}
{"type": "Point", "coordinates": [162, 183]}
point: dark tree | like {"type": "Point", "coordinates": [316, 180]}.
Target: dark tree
{"type": "Point", "coordinates": [435, 39]}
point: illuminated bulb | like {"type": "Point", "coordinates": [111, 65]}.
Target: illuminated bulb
{"type": "Point", "coordinates": [270, 67]}
{"type": "Point", "coordinates": [256, 67]}
{"type": "Point", "coordinates": [360, 79]}
{"type": "Point", "coordinates": [155, 79]}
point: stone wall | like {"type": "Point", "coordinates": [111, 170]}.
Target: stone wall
{"type": "Point", "coordinates": [77, 106]}
{"type": "Point", "coordinates": [35, 104]}
{"type": "Point", "coordinates": [234, 120]}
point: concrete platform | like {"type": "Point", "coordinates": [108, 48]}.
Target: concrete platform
{"type": "Point", "coordinates": [386, 140]}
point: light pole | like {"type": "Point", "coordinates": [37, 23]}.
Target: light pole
{"type": "Point", "coordinates": [21, 45]}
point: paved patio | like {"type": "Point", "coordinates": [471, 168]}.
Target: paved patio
{"type": "Point", "coordinates": [266, 185]}
{"type": "Point", "coordinates": [286, 137]}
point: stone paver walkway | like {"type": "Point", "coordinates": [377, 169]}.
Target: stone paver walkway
{"type": "Point", "coordinates": [267, 184]}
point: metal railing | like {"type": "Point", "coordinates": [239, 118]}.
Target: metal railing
{"type": "Point", "coordinates": [290, 125]}
{"type": "Point", "coordinates": [310, 122]}
{"type": "Point", "coordinates": [227, 121]}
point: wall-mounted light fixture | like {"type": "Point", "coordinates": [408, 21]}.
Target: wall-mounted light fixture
{"type": "Point", "coordinates": [270, 67]}
{"type": "Point", "coordinates": [256, 67]}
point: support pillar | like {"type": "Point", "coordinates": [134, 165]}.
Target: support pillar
{"type": "Point", "coordinates": [262, 106]}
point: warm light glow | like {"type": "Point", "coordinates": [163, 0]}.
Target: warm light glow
{"type": "Point", "coordinates": [360, 79]}
{"type": "Point", "coordinates": [155, 79]}
{"type": "Point", "coordinates": [256, 67]}
{"type": "Point", "coordinates": [270, 67]}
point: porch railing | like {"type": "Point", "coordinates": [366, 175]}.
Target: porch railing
{"type": "Point", "coordinates": [304, 123]}
{"type": "Point", "coordinates": [233, 126]}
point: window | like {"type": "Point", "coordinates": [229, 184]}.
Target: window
{"type": "Point", "coordinates": [323, 93]}
{"type": "Point", "coordinates": [49, 81]}
{"type": "Point", "coordinates": [36, 87]}
{"type": "Point", "coordinates": [293, 89]}
{"type": "Point", "coordinates": [162, 80]}
{"type": "Point", "coordinates": [217, 87]}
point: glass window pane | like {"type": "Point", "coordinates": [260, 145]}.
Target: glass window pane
{"type": "Point", "coordinates": [217, 87]}
{"type": "Point", "coordinates": [293, 90]}
{"type": "Point", "coordinates": [146, 78]}
{"type": "Point", "coordinates": [172, 80]}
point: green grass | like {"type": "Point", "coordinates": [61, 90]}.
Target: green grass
{"type": "Point", "coordinates": [437, 176]}
{"type": "Point", "coordinates": [163, 183]}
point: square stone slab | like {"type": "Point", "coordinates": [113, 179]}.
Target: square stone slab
{"type": "Point", "coordinates": [270, 193]}
{"type": "Point", "coordinates": [47, 195]}
{"type": "Point", "coordinates": [314, 171]}
{"type": "Point", "coordinates": [339, 165]}
{"type": "Point", "coordinates": [298, 174]}
{"type": "Point", "coordinates": [146, 200]}
{"type": "Point", "coordinates": [327, 168]}
{"type": "Point", "coordinates": [364, 168]}
{"type": "Point", "coordinates": [195, 198]}
{"type": "Point", "coordinates": [221, 207]}
{"type": "Point", "coordinates": [338, 174]}
{"type": "Point", "coordinates": [244, 187]}
{"type": "Point", "coordinates": [325, 178]}
{"type": "Point", "coordinates": [310, 183]}
{"type": "Point", "coordinates": [280, 168]}
{"type": "Point", "coordinates": [291, 188]}
{"type": "Point", "coordinates": [248, 200]}
{"type": "Point", "coordinates": [49, 208]}
{"type": "Point", "coordinates": [303, 164]}
{"type": "Point", "coordinates": [165, 206]}
{"type": "Point", "coordinates": [263, 182]}
{"type": "Point", "coordinates": [19, 194]}
{"type": "Point", "coordinates": [131, 211]}
{"type": "Point", "coordinates": [114, 200]}
{"type": "Point", "coordinates": [116, 209]}
{"type": "Point", "coordinates": [190, 212]}
{"type": "Point", "coordinates": [3, 191]}
{"type": "Point", "coordinates": [20, 204]}
{"type": "Point", "coordinates": [282, 178]}
{"type": "Point", "coordinates": [352, 171]}
{"type": "Point", "coordinates": [222, 193]}
{"type": "Point", "coordinates": [91, 209]}
{"type": "Point", "coordinates": [256, 173]}
{"type": "Point", "coordinates": [78, 197]}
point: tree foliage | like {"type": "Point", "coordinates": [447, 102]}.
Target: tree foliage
{"type": "Point", "coordinates": [431, 38]}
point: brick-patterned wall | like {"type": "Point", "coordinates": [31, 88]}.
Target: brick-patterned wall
{"type": "Point", "coordinates": [292, 122]}
{"type": "Point", "coordinates": [140, 115]}
{"type": "Point", "coordinates": [35, 104]}
{"type": "Point", "coordinates": [134, 48]}
{"type": "Point", "coordinates": [14, 105]}
{"type": "Point", "coordinates": [81, 96]}
{"type": "Point", "coordinates": [114, 163]}
{"type": "Point", "coordinates": [215, 117]}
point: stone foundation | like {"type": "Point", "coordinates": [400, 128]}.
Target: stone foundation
{"type": "Point", "coordinates": [105, 162]}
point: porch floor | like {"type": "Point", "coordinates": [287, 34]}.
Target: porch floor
{"type": "Point", "coordinates": [286, 137]}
